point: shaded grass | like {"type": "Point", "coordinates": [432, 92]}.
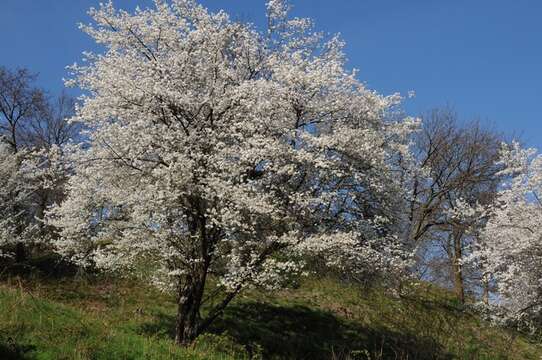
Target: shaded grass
{"type": "Point", "coordinates": [46, 317]}
{"type": "Point", "coordinates": [296, 332]}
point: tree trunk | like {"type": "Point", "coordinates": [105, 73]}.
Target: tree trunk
{"type": "Point", "coordinates": [457, 267]}
{"type": "Point", "coordinates": [192, 286]}
{"type": "Point", "coordinates": [188, 324]}
{"type": "Point", "coordinates": [485, 284]}
{"type": "Point", "coordinates": [20, 252]}
{"type": "Point", "coordinates": [188, 312]}
{"type": "Point", "coordinates": [40, 210]}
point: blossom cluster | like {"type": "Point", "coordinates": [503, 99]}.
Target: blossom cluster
{"type": "Point", "coordinates": [214, 147]}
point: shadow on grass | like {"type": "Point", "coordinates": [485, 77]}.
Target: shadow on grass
{"type": "Point", "coordinates": [298, 332]}
{"type": "Point", "coordinates": [162, 325]}
{"type": "Point", "coordinates": [12, 351]}
{"type": "Point", "coordinates": [450, 306]}
{"type": "Point", "coordinates": [49, 266]}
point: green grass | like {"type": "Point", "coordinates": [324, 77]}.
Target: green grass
{"type": "Point", "coordinates": [32, 328]}
{"type": "Point", "coordinates": [66, 318]}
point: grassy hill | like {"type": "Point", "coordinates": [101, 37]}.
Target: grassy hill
{"type": "Point", "coordinates": [69, 318]}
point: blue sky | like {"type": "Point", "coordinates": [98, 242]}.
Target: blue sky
{"type": "Point", "coordinates": [483, 57]}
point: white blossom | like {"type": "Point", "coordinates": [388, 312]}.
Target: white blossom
{"type": "Point", "coordinates": [511, 243]}
{"type": "Point", "coordinates": [213, 147]}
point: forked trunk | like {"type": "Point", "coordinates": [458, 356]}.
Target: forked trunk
{"type": "Point", "coordinates": [188, 312]}
{"type": "Point", "coordinates": [189, 324]}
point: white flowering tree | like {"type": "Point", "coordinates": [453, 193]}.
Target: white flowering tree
{"type": "Point", "coordinates": [32, 132]}
{"type": "Point", "coordinates": [14, 193]}
{"type": "Point", "coordinates": [24, 176]}
{"type": "Point", "coordinates": [217, 150]}
{"type": "Point", "coordinates": [511, 246]}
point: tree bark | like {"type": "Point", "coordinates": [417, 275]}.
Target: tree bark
{"type": "Point", "coordinates": [485, 284]}
{"type": "Point", "coordinates": [192, 286]}
{"type": "Point", "coordinates": [189, 324]}
{"type": "Point", "coordinates": [188, 313]}
{"type": "Point", "coordinates": [20, 252]}
{"type": "Point", "coordinates": [456, 265]}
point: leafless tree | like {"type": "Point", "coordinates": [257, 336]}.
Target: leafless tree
{"type": "Point", "coordinates": [461, 162]}
{"type": "Point", "coordinates": [20, 103]}
{"type": "Point", "coordinates": [31, 121]}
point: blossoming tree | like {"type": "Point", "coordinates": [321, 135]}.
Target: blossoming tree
{"type": "Point", "coordinates": [218, 150]}
{"type": "Point", "coordinates": [510, 247]}
{"type": "Point", "coordinates": [13, 195]}
{"type": "Point", "coordinates": [32, 132]}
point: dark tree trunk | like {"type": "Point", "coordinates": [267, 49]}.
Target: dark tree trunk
{"type": "Point", "coordinates": [457, 267]}
{"type": "Point", "coordinates": [20, 253]}
{"type": "Point", "coordinates": [188, 313]}
{"type": "Point", "coordinates": [486, 294]}
{"type": "Point", "coordinates": [192, 286]}
{"type": "Point", "coordinates": [188, 323]}
{"type": "Point", "coordinates": [485, 284]}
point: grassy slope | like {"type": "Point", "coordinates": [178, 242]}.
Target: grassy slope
{"type": "Point", "coordinates": [69, 319]}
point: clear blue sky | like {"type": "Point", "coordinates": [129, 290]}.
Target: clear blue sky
{"type": "Point", "coordinates": [483, 57]}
